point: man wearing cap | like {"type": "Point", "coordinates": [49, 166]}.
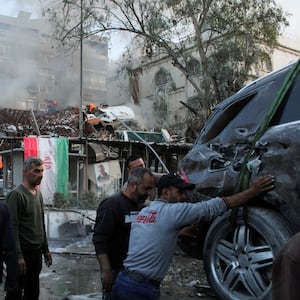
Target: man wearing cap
{"type": "Point", "coordinates": [154, 233]}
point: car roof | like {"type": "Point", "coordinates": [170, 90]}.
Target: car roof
{"type": "Point", "coordinates": [245, 93]}
{"type": "Point", "coordinates": [254, 85]}
{"type": "Point", "coordinates": [269, 76]}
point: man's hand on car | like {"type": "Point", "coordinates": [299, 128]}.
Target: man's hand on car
{"type": "Point", "coordinates": [258, 186]}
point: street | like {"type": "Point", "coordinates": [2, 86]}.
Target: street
{"type": "Point", "coordinates": [75, 275]}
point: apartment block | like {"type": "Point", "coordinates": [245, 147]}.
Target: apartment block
{"type": "Point", "coordinates": [36, 68]}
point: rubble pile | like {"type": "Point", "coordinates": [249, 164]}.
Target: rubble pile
{"type": "Point", "coordinates": [61, 123]}
{"type": "Point", "coordinates": [19, 123]}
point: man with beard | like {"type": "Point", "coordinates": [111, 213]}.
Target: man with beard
{"type": "Point", "coordinates": [155, 230]}
{"type": "Point", "coordinates": [26, 207]}
{"type": "Point", "coordinates": [113, 223]}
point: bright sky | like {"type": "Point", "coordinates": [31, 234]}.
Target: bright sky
{"type": "Point", "coordinates": [11, 8]}
{"type": "Point", "coordinates": [292, 7]}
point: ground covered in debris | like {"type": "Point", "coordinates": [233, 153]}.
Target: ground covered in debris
{"type": "Point", "coordinates": [186, 280]}
{"type": "Point", "coordinates": [75, 276]}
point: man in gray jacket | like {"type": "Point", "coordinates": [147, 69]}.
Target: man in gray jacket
{"type": "Point", "coordinates": [155, 231]}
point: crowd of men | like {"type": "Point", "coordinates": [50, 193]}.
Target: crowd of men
{"type": "Point", "coordinates": [135, 233]}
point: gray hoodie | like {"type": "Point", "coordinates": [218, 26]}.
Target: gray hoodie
{"type": "Point", "coordinates": [154, 233]}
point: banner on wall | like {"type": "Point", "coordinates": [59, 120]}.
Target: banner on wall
{"type": "Point", "coordinates": [54, 153]}
{"type": "Point", "coordinates": [105, 177]}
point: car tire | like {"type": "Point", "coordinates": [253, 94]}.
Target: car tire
{"type": "Point", "coordinates": [239, 251]}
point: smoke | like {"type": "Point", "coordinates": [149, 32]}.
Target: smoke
{"type": "Point", "coordinates": [37, 70]}
{"type": "Point", "coordinates": [18, 66]}
{"type": "Point", "coordinates": [12, 7]}
{"type": "Point", "coordinates": [34, 69]}
{"type": "Point", "coordinates": [19, 81]}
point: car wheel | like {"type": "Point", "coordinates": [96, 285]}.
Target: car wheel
{"type": "Point", "coordinates": [239, 254]}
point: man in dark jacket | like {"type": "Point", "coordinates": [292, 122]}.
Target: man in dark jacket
{"type": "Point", "coordinates": [7, 251]}
{"type": "Point", "coordinates": [286, 271]}
{"type": "Point", "coordinates": [113, 222]}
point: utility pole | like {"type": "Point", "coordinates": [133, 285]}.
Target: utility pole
{"type": "Point", "coordinates": [35, 122]}
{"type": "Point", "coordinates": [81, 71]}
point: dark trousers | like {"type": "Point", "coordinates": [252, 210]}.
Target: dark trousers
{"type": "Point", "coordinates": [286, 271]}
{"type": "Point", "coordinates": [108, 295]}
{"type": "Point", "coordinates": [29, 285]}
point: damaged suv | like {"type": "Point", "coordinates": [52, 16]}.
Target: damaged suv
{"type": "Point", "coordinates": [253, 133]}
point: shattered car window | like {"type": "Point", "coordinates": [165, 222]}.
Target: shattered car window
{"type": "Point", "coordinates": [289, 110]}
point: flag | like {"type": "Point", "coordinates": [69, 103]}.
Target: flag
{"type": "Point", "coordinates": [30, 147]}
{"type": "Point", "coordinates": [54, 153]}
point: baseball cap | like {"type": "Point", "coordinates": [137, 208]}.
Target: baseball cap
{"type": "Point", "coordinates": [173, 179]}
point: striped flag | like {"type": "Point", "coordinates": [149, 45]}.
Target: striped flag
{"type": "Point", "coordinates": [54, 153]}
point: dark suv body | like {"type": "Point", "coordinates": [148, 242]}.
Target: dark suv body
{"type": "Point", "coordinates": [255, 132]}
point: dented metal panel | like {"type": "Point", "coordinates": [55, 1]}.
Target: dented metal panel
{"type": "Point", "coordinates": [214, 163]}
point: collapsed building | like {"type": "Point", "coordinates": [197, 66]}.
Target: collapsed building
{"type": "Point", "coordinates": [103, 141]}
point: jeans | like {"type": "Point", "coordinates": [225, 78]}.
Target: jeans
{"type": "Point", "coordinates": [125, 288]}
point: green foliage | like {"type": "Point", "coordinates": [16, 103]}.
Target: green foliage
{"type": "Point", "coordinates": [229, 38]}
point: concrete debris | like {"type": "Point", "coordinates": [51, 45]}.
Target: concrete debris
{"type": "Point", "coordinates": [100, 124]}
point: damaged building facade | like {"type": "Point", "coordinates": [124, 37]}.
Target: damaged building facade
{"type": "Point", "coordinates": [165, 95]}
{"type": "Point", "coordinates": [159, 89]}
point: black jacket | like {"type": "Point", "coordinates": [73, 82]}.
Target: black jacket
{"type": "Point", "coordinates": [7, 247]}
{"type": "Point", "coordinates": [112, 228]}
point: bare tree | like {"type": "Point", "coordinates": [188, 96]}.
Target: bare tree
{"type": "Point", "coordinates": [230, 38]}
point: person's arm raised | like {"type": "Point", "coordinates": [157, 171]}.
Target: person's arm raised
{"type": "Point", "coordinates": [257, 187]}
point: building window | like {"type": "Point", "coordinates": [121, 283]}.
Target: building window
{"type": "Point", "coordinates": [163, 81]}
{"type": "Point", "coordinates": [193, 67]}
{"type": "Point", "coordinates": [6, 51]}
{"type": "Point", "coordinates": [162, 77]}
